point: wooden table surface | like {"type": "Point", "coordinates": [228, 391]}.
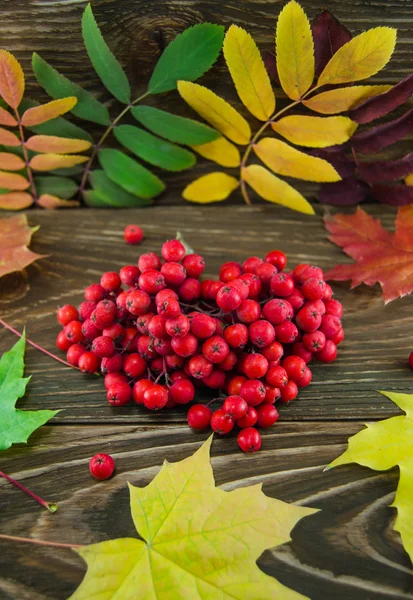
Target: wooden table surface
{"type": "Point", "coordinates": [347, 551]}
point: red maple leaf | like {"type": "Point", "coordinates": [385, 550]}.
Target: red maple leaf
{"type": "Point", "coordinates": [382, 257]}
{"type": "Point", "coordinates": [15, 235]}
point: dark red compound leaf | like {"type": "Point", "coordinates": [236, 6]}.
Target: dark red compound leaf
{"type": "Point", "coordinates": [329, 35]}
{"type": "Point", "coordinates": [386, 170]}
{"type": "Point", "coordinates": [270, 63]}
{"type": "Point", "coordinates": [382, 136]}
{"type": "Point", "coordinates": [381, 105]}
{"type": "Point", "coordinates": [344, 166]}
{"type": "Point", "coordinates": [348, 192]}
{"type": "Point", "coordinates": [394, 195]}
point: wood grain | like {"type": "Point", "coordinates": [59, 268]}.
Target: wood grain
{"type": "Point", "coordinates": [347, 550]}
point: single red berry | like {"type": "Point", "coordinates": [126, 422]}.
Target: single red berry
{"type": "Point", "coordinates": [202, 326]}
{"type": "Point", "coordinates": [199, 417]}
{"type": "Point", "coordinates": [297, 273]}
{"type": "Point", "coordinates": [101, 466]}
{"type": "Point", "coordinates": [266, 272]}
{"type": "Point", "coordinates": [305, 379]}
{"type": "Point", "coordinates": [216, 379]}
{"type": "Point", "coordinates": [235, 384]}
{"type": "Point", "coordinates": [134, 365]}
{"type": "Point", "coordinates": [249, 419]}
{"type": "Point", "coordinates": [282, 285]}
{"type": "Point", "coordinates": [276, 311]}
{"type": "Point", "coordinates": [317, 305]}
{"type": "Point", "coordinates": [315, 341]}
{"type": "Point", "coordinates": [328, 353]}
{"type": "Point", "coordinates": [228, 298]}
{"type": "Point", "coordinates": [313, 288]}
{"type": "Point", "coordinates": [300, 350]}
{"type": "Point", "coordinates": [94, 293]}
{"type": "Point", "coordinates": [115, 331]}
{"type": "Point", "coordinates": [338, 337]}
{"type": "Point", "coordinates": [155, 397]}
{"type": "Point", "coordinates": [286, 332]}
{"type": "Point", "coordinates": [254, 284]}
{"type": "Point", "coordinates": [330, 325]}
{"type": "Point", "coordinates": [185, 346]}
{"type": "Point", "coordinates": [255, 366]}
{"type": "Point", "coordinates": [62, 342]}
{"type": "Point", "coordinates": [66, 314]}
{"type": "Point", "coordinates": [273, 351]}
{"type": "Point", "coordinates": [173, 251]}
{"type": "Point", "coordinates": [157, 327]}
{"type": "Point", "coordinates": [110, 281]}
{"type": "Point", "coordinates": [249, 311]}
{"type": "Point", "coordinates": [112, 378]}
{"type": "Point", "coordinates": [103, 346]}
{"type": "Point", "coordinates": [177, 326]}
{"type": "Point", "coordinates": [129, 275]}
{"type": "Point", "coordinates": [199, 367]}
{"type": "Point", "coordinates": [328, 293]}
{"type": "Point", "coordinates": [289, 392]}
{"type": "Point", "coordinates": [308, 319]}
{"type": "Point", "coordinates": [140, 388]}
{"type": "Point", "coordinates": [138, 302]}
{"type": "Point", "coordinates": [242, 286]}
{"type": "Point", "coordinates": [277, 258]}
{"type": "Point", "coordinates": [215, 349]}
{"type": "Point", "coordinates": [251, 263]}
{"type": "Point", "coordinates": [113, 364]}
{"type": "Point", "coordinates": [74, 353]}
{"type": "Point", "coordinates": [261, 333]}
{"type": "Point", "coordinates": [309, 272]}
{"type": "Point", "coordinates": [173, 361]}
{"type": "Point", "coordinates": [236, 335]}
{"type": "Point", "coordinates": [150, 260]}
{"type": "Point", "coordinates": [104, 314]}
{"type": "Point", "coordinates": [152, 281]}
{"type": "Point", "coordinates": [267, 415]}
{"type": "Point", "coordinates": [162, 346]}
{"type": "Point", "coordinates": [119, 393]}
{"type": "Point", "coordinates": [145, 347]}
{"type": "Point", "coordinates": [221, 422]}
{"type": "Point", "coordinates": [230, 271]}
{"type": "Point", "coordinates": [334, 307]}
{"type": "Point", "coordinates": [277, 377]}
{"type": "Point", "coordinates": [182, 391]}
{"type": "Point", "coordinates": [296, 299]}
{"type": "Point", "coordinates": [73, 332]}
{"type": "Point", "coordinates": [156, 365]}
{"type": "Point", "coordinates": [295, 367]}
{"type": "Point", "coordinates": [249, 440]}
{"type": "Point", "coordinates": [130, 340]}
{"type": "Point", "coordinates": [194, 265]}
{"type": "Point", "coordinates": [219, 327]}
{"type": "Point", "coordinates": [133, 234]}
{"type": "Point", "coordinates": [190, 290]}
{"type": "Point", "coordinates": [253, 392]}
{"type": "Point", "coordinates": [85, 310]}
{"type": "Point", "coordinates": [235, 406]}
{"type": "Point", "coordinates": [174, 273]}
{"type": "Point", "coordinates": [89, 362]}
{"type": "Point", "coordinates": [272, 394]}
{"type": "Point", "coordinates": [169, 308]}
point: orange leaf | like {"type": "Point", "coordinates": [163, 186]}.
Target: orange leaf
{"type": "Point", "coordinates": [11, 181]}
{"type": "Point", "coordinates": [49, 201]}
{"type": "Point", "coordinates": [56, 145]}
{"type": "Point", "coordinates": [15, 201]}
{"type": "Point", "coordinates": [15, 235]}
{"type": "Point", "coordinates": [7, 138]}
{"type": "Point", "coordinates": [11, 162]}
{"type": "Point", "coordinates": [381, 257]}
{"type": "Point", "coordinates": [50, 162]}
{"type": "Point", "coordinates": [40, 114]}
{"type": "Point", "coordinates": [11, 79]}
{"type": "Point", "coordinates": [6, 118]}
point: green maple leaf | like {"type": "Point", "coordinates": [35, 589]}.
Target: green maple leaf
{"type": "Point", "coordinates": [384, 445]}
{"type": "Point", "coordinates": [199, 542]}
{"type": "Point", "coordinates": [16, 425]}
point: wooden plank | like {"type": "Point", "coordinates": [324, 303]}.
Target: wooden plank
{"type": "Point", "coordinates": [83, 244]}
{"type": "Point", "coordinates": [347, 550]}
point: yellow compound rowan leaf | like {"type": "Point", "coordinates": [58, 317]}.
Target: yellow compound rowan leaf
{"type": "Point", "coordinates": [11, 162]}
{"type": "Point", "coordinates": [11, 79]}
{"type": "Point", "coordinates": [216, 111]}
{"type": "Point", "coordinates": [384, 445]}
{"type": "Point", "coordinates": [294, 50]}
{"type": "Point", "coordinates": [6, 118]}
{"type": "Point", "coordinates": [248, 73]}
{"type": "Point", "coordinates": [363, 56]}
{"type": "Point", "coordinates": [50, 201]}
{"type": "Point", "coordinates": [273, 189]}
{"type": "Point", "coordinates": [49, 162]}
{"type": "Point", "coordinates": [290, 162]}
{"type": "Point", "coordinates": [56, 145]}
{"type": "Point", "coordinates": [12, 181]}
{"type": "Point", "coordinates": [15, 201]}
{"type": "Point", "coordinates": [315, 132]}
{"type": "Point", "coordinates": [220, 151]}
{"type": "Point", "coordinates": [45, 112]}
{"type": "Point", "coordinates": [7, 138]}
{"type": "Point", "coordinates": [213, 187]}
{"type": "Point", "coordinates": [199, 542]}
{"type": "Point", "coordinates": [343, 99]}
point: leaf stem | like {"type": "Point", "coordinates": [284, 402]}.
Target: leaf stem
{"type": "Point", "coordinates": [51, 506]}
{"type": "Point", "coordinates": [14, 538]}
{"type": "Point", "coordinates": [26, 157]}
{"type": "Point", "coordinates": [105, 134]}
{"type": "Point", "coordinates": [10, 328]}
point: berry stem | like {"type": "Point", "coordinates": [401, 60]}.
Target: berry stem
{"type": "Point", "coordinates": [14, 538]}
{"type": "Point", "coordinates": [26, 157]}
{"type": "Point", "coordinates": [10, 328]}
{"type": "Point", "coordinates": [51, 506]}
{"type": "Point", "coordinates": [105, 134]}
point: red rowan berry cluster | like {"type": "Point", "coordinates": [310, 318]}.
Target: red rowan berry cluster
{"type": "Point", "coordinates": [250, 334]}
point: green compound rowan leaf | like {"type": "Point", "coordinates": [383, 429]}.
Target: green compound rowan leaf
{"type": "Point", "coordinates": [187, 57]}
{"type": "Point", "coordinates": [107, 193]}
{"type": "Point", "coordinates": [174, 128]}
{"type": "Point", "coordinates": [104, 62]}
{"type": "Point", "coordinates": [198, 541]}
{"type": "Point", "coordinates": [59, 86]}
{"type": "Point", "coordinates": [153, 149]}
{"type": "Point", "coordinates": [16, 425]}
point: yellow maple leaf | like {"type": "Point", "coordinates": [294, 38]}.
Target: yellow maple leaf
{"type": "Point", "coordinates": [315, 132]}
{"type": "Point", "coordinates": [199, 542]}
{"type": "Point", "coordinates": [294, 50]}
{"type": "Point", "coordinates": [363, 56]}
{"type": "Point", "coordinates": [249, 73]}
{"type": "Point", "coordinates": [384, 445]}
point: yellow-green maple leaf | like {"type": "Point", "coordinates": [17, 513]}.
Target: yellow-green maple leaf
{"type": "Point", "coordinates": [199, 542]}
{"type": "Point", "coordinates": [384, 445]}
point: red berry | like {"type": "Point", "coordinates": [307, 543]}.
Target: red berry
{"type": "Point", "coordinates": [94, 293]}
{"type": "Point", "coordinates": [315, 341]}
{"type": "Point", "coordinates": [235, 384]}
{"type": "Point", "coordinates": [228, 298]}
{"type": "Point", "coordinates": [202, 326]}
{"type": "Point", "coordinates": [177, 326]}
{"type": "Point", "coordinates": [89, 362]}
{"type": "Point", "coordinates": [140, 388]}
{"type": "Point", "coordinates": [254, 284]}
{"type": "Point", "coordinates": [145, 347]}
{"type": "Point", "coordinates": [289, 392]}
{"type": "Point", "coordinates": [300, 350]}
{"type": "Point", "coordinates": [330, 325]}
{"type": "Point", "coordinates": [112, 378]}
{"type": "Point", "coordinates": [216, 379]}
{"type": "Point", "coordinates": [273, 351]}
{"type": "Point", "coordinates": [328, 353]}
{"type": "Point", "coordinates": [134, 365]}
{"type": "Point", "coordinates": [249, 440]}
{"type": "Point", "coordinates": [103, 346]}
{"type": "Point", "coordinates": [277, 258]}
{"type": "Point", "coordinates": [255, 366]}
{"type": "Point", "coordinates": [230, 271]}
{"type": "Point", "coordinates": [152, 281]}
{"type": "Point", "coordinates": [85, 310]}
{"type": "Point", "coordinates": [73, 332]}
{"type": "Point", "coordinates": [173, 251]}
{"type": "Point", "coordinates": [194, 265]}
{"type": "Point", "coordinates": [249, 419]}
{"type": "Point", "coordinates": [104, 314]}
{"type": "Point", "coordinates": [249, 311]}
{"type": "Point", "coordinates": [317, 305]}
{"type": "Point", "coordinates": [296, 299]}
{"type": "Point", "coordinates": [66, 314]}
{"type": "Point", "coordinates": [308, 319]}
{"type": "Point", "coordinates": [199, 367]}
{"type": "Point", "coordinates": [251, 263]}
{"type": "Point", "coordinates": [221, 422]}
{"type": "Point", "coordinates": [215, 349]}
{"type": "Point", "coordinates": [138, 302]}
{"type": "Point", "coordinates": [236, 335]}
{"type": "Point", "coordinates": [235, 406]}
{"type": "Point", "coordinates": [157, 327]}
{"type": "Point", "coordinates": [110, 281]}
{"type": "Point", "coordinates": [338, 337]}
{"type": "Point", "coordinates": [174, 273]}
{"type": "Point", "coordinates": [334, 307]}
{"type": "Point", "coordinates": [253, 392]}
{"type": "Point", "coordinates": [295, 367]}
{"type": "Point", "coordinates": [267, 415]}
{"type": "Point", "coordinates": [199, 416]}
{"type": "Point", "coordinates": [169, 308]}
{"type": "Point", "coordinates": [328, 293]}
{"type": "Point", "coordinates": [277, 377]}
{"type": "Point", "coordinates": [305, 379]}
{"type": "Point", "coordinates": [276, 311]}
{"type": "Point", "coordinates": [173, 361]}
{"type": "Point", "coordinates": [272, 394]}
{"type": "Point", "coordinates": [150, 260]}
{"type": "Point", "coordinates": [155, 397]}
{"type": "Point", "coordinates": [297, 273]}
{"type": "Point", "coordinates": [242, 286]}
{"type": "Point", "coordinates": [261, 333]}
{"type": "Point", "coordinates": [62, 342]}
{"type": "Point", "coordinates": [133, 234]}
{"type": "Point", "coordinates": [286, 332]}
{"type": "Point", "coordinates": [265, 272]}
{"type": "Point", "coordinates": [74, 353]}
{"type": "Point", "coordinates": [129, 275]}
{"type": "Point", "coordinates": [115, 331]}
{"type": "Point", "coordinates": [112, 364]}
{"type": "Point", "coordinates": [182, 391]}
{"type": "Point", "coordinates": [185, 346]}
{"type": "Point", "coordinates": [282, 285]}
{"type": "Point", "coordinates": [313, 288]}
{"type": "Point", "coordinates": [119, 393]}
{"type": "Point", "coordinates": [101, 466]}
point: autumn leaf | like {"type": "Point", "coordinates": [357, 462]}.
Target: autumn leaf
{"type": "Point", "coordinates": [248, 73]}
{"type": "Point", "coordinates": [15, 236]}
{"type": "Point", "coordinates": [213, 187]}
{"type": "Point", "coordinates": [50, 162]}
{"type": "Point", "coordinates": [384, 445]}
{"type": "Point", "coordinates": [7, 119]}
{"type": "Point", "coordinates": [378, 106]}
{"type": "Point", "coordinates": [294, 50]}
{"type": "Point", "coordinates": [11, 79]}
{"type": "Point", "coordinates": [13, 181]}
{"type": "Point", "coordinates": [343, 99]}
{"type": "Point", "coordinates": [11, 162]}
{"type": "Point", "coordinates": [315, 132]}
{"type": "Point", "coordinates": [50, 201]}
{"type": "Point", "coordinates": [198, 541]}
{"type": "Point", "coordinates": [17, 425]}
{"type": "Point", "coordinates": [56, 145]}
{"type": "Point", "coordinates": [381, 257]}
{"type": "Point", "coordinates": [329, 35]}
{"type": "Point", "coordinates": [7, 138]}
{"type": "Point", "coordinates": [220, 151]}
{"type": "Point", "coordinates": [46, 112]}
{"type": "Point", "coordinates": [15, 201]}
